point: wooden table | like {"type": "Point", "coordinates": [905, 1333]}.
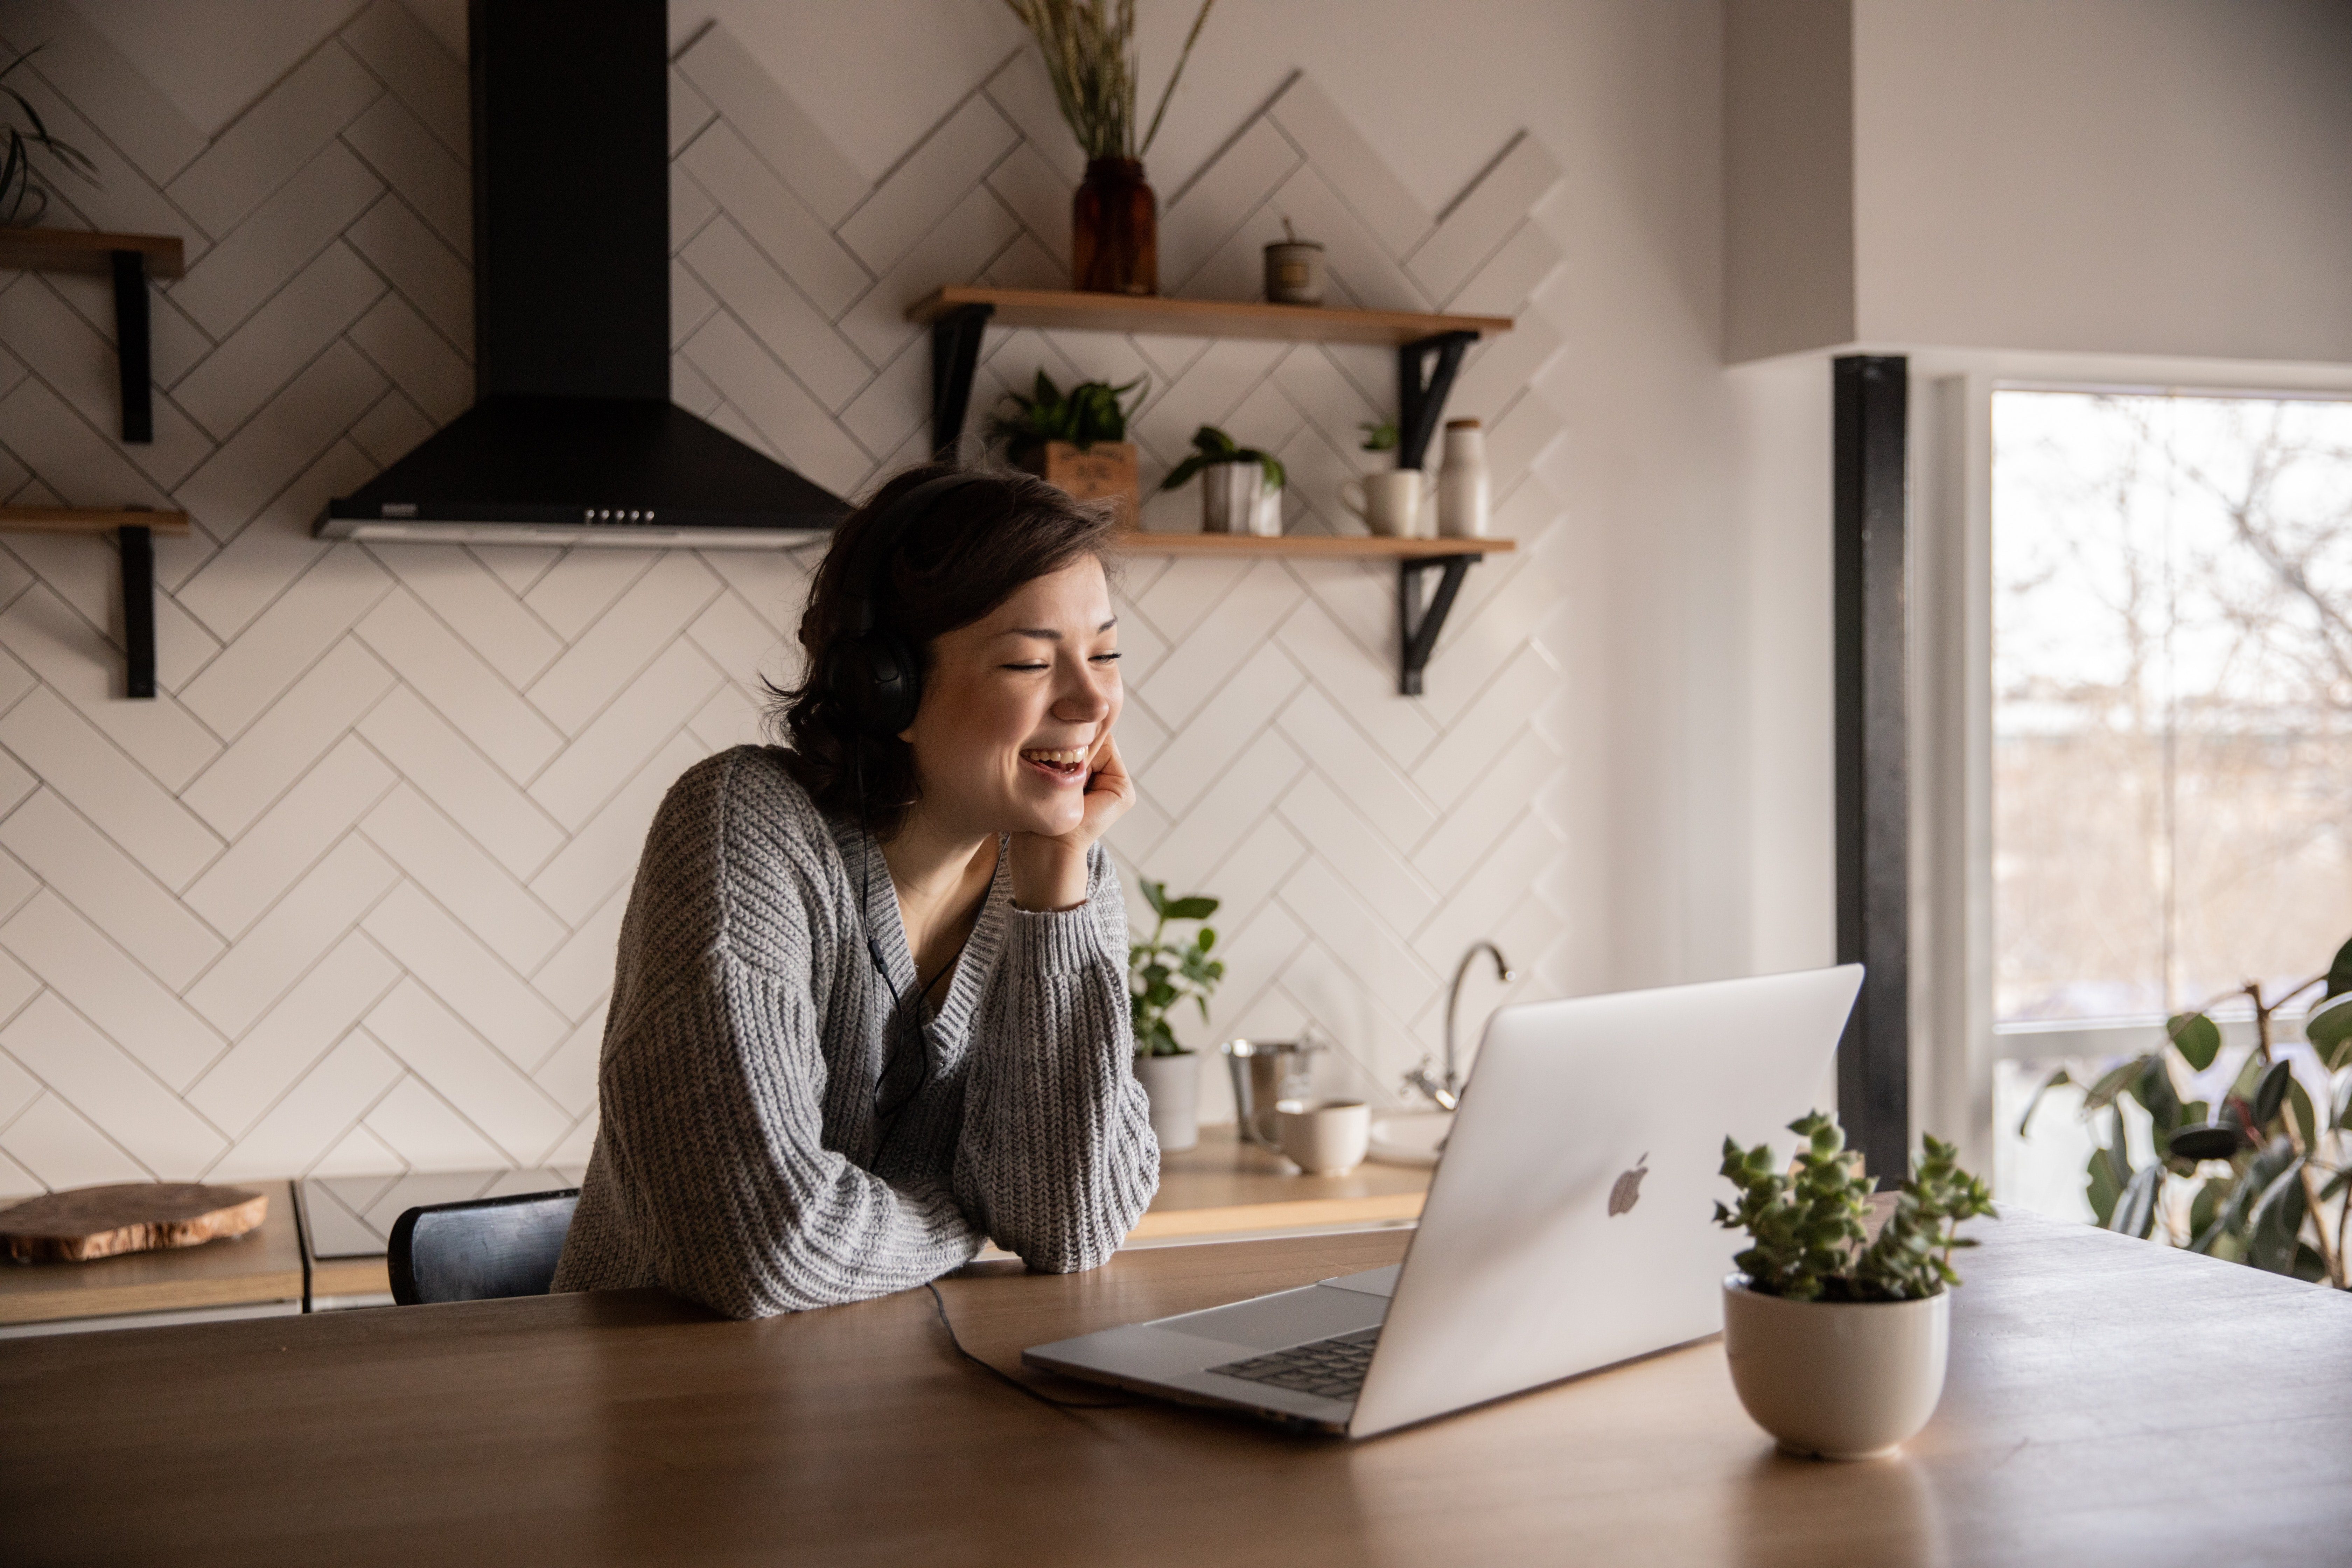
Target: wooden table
{"type": "Point", "coordinates": [2110, 1402]}
{"type": "Point", "coordinates": [258, 1271]}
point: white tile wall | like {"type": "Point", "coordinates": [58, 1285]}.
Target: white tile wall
{"type": "Point", "coordinates": [343, 898]}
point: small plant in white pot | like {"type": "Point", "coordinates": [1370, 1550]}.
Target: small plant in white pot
{"type": "Point", "coordinates": [1837, 1340]}
{"type": "Point", "coordinates": [1163, 974]}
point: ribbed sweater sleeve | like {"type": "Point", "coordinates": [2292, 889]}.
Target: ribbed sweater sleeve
{"type": "Point", "coordinates": [1057, 1160]}
{"type": "Point", "coordinates": [720, 1088]}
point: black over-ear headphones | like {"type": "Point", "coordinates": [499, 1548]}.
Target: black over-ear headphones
{"type": "Point", "coordinates": [875, 674]}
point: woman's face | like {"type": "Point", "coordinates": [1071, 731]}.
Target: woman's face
{"type": "Point", "coordinates": [1015, 706]}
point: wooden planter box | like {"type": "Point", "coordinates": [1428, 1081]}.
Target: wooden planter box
{"type": "Point", "coordinates": [1106, 470]}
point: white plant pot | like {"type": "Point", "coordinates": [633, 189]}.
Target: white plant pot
{"type": "Point", "coordinates": [1173, 1084]}
{"type": "Point", "coordinates": [1842, 1380]}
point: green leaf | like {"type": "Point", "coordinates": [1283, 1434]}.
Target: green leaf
{"type": "Point", "coordinates": [2105, 1186]}
{"type": "Point", "coordinates": [2155, 1091]}
{"type": "Point", "coordinates": [2330, 1028]}
{"type": "Point", "coordinates": [2339, 973]}
{"type": "Point", "coordinates": [1194, 908]}
{"type": "Point", "coordinates": [2111, 1083]}
{"type": "Point", "coordinates": [2134, 1212]}
{"type": "Point", "coordinates": [2270, 1093]}
{"type": "Point", "coordinates": [2055, 1080]}
{"type": "Point", "coordinates": [2196, 1036]}
{"type": "Point", "coordinates": [2277, 1218]}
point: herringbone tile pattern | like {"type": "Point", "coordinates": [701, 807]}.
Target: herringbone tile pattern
{"type": "Point", "coordinates": [344, 898]}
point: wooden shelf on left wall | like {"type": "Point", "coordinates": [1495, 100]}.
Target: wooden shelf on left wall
{"type": "Point", "coordinates": [88, 520]}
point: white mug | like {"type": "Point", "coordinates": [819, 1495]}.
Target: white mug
{"type": "Point", "coordinates": [1325, 1137]}
{"type": "Point", "coordinates": [1389, 503]}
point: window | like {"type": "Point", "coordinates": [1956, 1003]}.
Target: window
{"type": "Point", "coordinates": [2171, 710]}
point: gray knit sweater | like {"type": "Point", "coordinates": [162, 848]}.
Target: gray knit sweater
{"type": "Point", "coordinates": [739, 1162]}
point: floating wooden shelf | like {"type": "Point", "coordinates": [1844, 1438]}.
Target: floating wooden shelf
{"type": "Point", "coordinates": [88, 520]}
{"type": "Point", "coordinates": [134, 530]}
{"type": "Point", "coordinates": [1200, 317]}
{"type": "Point", "coordinates": [83, 251]}
{"type": "Point", "coordinates": [1349, 547]}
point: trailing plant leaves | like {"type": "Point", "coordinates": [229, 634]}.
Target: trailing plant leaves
{"type": "Point", "coordinates": [2135, 1211]}
{"type": "Point", "coordinates": [2205, 1211]}
{"type": "Point", "coordinates": [2273, 1228]}
{"type": "Point", "coordinates": [2196, 1036]}
{"type": "Point", "coordinates": [2106, 1180]}
{"type": "Point", "coordinates": [2054, 1080]}
{"type": "Point", "coordinates": [2329, 1028]}
{"type": "Point", "coordinates": [2340, 972]}
{"type": "Point", "coordinates": [2205, 1141]}
{"type": "Point", "coordinates": [2155, 1091]}
{"type": "Point", "coordinates": [2114, 1081]}
{"type": "Point", "coordinates": [2270, 1093]}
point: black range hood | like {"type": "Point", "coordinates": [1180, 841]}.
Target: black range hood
{"type": "Point", "coordinates": [573, 439]}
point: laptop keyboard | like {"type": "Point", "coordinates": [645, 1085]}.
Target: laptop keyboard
{"type": "Point", "coordinates": [1333, 1368]}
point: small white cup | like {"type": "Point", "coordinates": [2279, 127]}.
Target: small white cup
{"type": "Point", "coordinates": [1389, 503]}
{"type": "Point", "coordinates": [1325, 1137]}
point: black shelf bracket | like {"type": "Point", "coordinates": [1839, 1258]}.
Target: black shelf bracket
{"type": "Point", "coordinates": [130, 354]}
{"type": "Point", "coordinates": [955, 355]}
{"type": "Point", "coordinates": [138, 610]}
{"type": "Point", "coordinates": [1418, 625]}
{"type": "Point", "coordinates": [1422, 391]}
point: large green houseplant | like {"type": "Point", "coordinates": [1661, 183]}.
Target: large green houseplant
{"type": "Point", "coordinates": [2258, 1174]}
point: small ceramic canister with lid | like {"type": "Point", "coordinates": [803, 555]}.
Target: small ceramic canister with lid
{"type": "Point", "coordinates": [1463, 490]}
{"type": "Point", "coordinates": [1294, 269]}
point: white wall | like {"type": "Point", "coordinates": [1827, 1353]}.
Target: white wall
{"type": "Point", "coordinates": [402, 788]}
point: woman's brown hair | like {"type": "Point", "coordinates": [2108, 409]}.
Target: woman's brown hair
{"type": "Point", "coordinates": [964, 555]}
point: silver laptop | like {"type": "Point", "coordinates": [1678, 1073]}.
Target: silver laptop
{"type": "Point", "coordinates": [1568, 1225]}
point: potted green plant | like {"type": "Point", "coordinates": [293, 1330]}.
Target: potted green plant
{"type": "Point", "coordinates": [23, 198]}
{"type": "Point", "coordinates": [2259, 1174]}
{"type": "Point", "coordinates": [1092, 61]}
{"type": "Point", "coordinates": [1076, 440]}
{"type": "Point", "coordinates": [1164, 974]}
{"type": "Point", "coordinates": [1241, 487]}
{"type": "Point", "coordinates": [1837, 1339]}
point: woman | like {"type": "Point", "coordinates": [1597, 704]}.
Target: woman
{"type": "Point", "coordinates": [871, 1002]}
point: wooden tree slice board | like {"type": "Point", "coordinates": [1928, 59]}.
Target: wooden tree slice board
{"type": "Point", "coordinates": [130, 1216]}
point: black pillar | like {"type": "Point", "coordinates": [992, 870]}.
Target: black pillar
{"type": "Point", "coordinates": [1872, 640]}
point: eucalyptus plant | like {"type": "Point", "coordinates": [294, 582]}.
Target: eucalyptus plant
{"type": "Point", "coordinates": [1805, 1223]}
{"type": "Point", "coordinates": [1093, 62]}
{"type": "Point", "coordinates": [23, 197]}
{"type": "Point", "coordinates": [2259, 1176]}
{"type": "Point", "coordinates": [1212, 446]}
{"type": "Point", "coordinates": [1089, 411]}
{"type": "Point", "coordinates": [1164, 974]}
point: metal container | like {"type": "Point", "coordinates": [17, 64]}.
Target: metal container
{"type": "Point", "coordinates": [1266, 1073]}
{"type": "Point", "coordinates": [1229, 497]}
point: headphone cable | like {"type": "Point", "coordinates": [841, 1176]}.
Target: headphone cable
{"type": "Point", "coordinates": [998, 1373]}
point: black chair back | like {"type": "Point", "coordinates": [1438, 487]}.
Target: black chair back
{"type": "Point", "coordinates": [473, 1251]}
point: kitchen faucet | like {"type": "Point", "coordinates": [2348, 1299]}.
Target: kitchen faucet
{"type": "Point", "coordinates": [1447, 1093]}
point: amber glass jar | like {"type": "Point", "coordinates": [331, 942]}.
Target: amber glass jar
{"type": "Point", "coordinates": [1115, 230]}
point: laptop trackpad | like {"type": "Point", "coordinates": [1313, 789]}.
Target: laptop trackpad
{"type": "Point", "coordinates": [1286, 1318]}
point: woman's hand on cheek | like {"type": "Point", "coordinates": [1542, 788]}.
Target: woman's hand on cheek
{"type": "Point", "coordinates": [1050, 872]}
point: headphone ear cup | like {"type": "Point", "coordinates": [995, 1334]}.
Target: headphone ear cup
{"type": "Point", "coordinates": [879, 680]}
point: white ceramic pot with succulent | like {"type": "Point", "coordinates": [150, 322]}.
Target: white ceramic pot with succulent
{"type": "Point", "coordinates": [1837, 1339]}
{"type": "Point", "coordinates": [1163, 974]}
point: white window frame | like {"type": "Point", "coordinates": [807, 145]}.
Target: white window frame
{"type": "Point", "coordinates": [1955, 1044]}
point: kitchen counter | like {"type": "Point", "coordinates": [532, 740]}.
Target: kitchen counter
{"type": "Point", "coordinates": [331, 1253]}
{"type": "Point", "coordinates": [259, 1274]}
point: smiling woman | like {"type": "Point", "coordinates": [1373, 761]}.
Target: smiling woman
{"type": "Point", "coordinates": [871, 1002]}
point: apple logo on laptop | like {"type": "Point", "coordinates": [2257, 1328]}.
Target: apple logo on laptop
{"type": "Point", "coordinates": [1627, 1190]}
